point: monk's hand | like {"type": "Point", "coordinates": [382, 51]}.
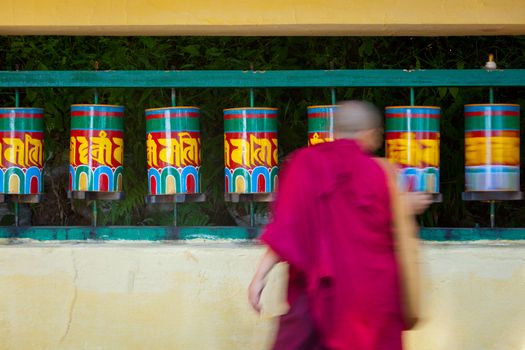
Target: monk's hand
{"type": "Point", "coordinates": [418, 202]}
{"type": "Point", "coordinates": [255, 290]}
{"type": "Point", "coordinates": [268, 261]}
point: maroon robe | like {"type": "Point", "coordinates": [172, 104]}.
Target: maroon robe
{"type": "Point", "coordinates": [332, 223]}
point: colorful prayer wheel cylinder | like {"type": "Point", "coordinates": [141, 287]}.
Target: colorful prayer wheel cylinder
{"type": "Point", "coordinates": [21, 150]}
{"type": "Point", "coordinates": [250, 150]}
{"type": "Point", "coordinates": [320, 124]}
{"type": "Point", "coordinates": [96, 148]}
{"type": "Point", "coordinates": [173, 150]}
{"type": "Point", "coordinates": [412, 142]}
{"type": "Point", "coordinates": [492, 147]}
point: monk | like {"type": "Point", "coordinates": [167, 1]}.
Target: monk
{"type": "Point", "coordinates": [332, 224]}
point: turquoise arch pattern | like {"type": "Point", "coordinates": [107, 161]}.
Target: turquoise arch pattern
{"type": "Point", "coordinates": [181, 176]}
{"type": "Point", "coordinates": [170, 171]}
{"type": "Point", "coordinates": [418, 179]}
{"type": "Point", "coordinates": [492, 178]}
{"type": "Point", "coordinates": [185, 173]}
{"type": "Point", "coordinates": [93, 177]}
{"type": "Point", "coordinates": [250, 179]}
{"type": "Point", "coordinates": [256, 173]}
{"type": "Point", "coordinates": [98, 173]}
{"type": "Point", "coordinates": [25, 176]}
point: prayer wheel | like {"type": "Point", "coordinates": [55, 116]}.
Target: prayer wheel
{"type": "Point", "coordinates": [492, 148]}
{"type": "Point", "coordinates": [173, 150]}
{"type": "Point", "coordinates": [320, 124]}
{"type": "Point", "coordinates": [250, 150]}
{"type": "Point", "coordinates": [96, 148]}
{"type": "Point", "coordinates": [412, 143]}
{"type": "Point", "coordinates": [21, 150]}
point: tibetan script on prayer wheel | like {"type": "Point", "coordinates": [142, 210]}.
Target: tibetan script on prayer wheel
{"type": "Point", "coordinates": [96, 148]}
{"type": "Point", "coordinates": [412, 143]}
{"type": "Point", "coordinates": [492, 147]}
{"type": "Point", "coordinates": [173, 150]}
{"type": "Point", "coordinates": [21, 150]}
{"type": "Point", "coordinates": [250, 150]}
{"type": "Point", "coordinates": [320, 124]}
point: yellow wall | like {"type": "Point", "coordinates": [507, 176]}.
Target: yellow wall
{"type": "Point", "coordinates": [127, 296]}
{"type": "Point", "coordinates": [268, 17]}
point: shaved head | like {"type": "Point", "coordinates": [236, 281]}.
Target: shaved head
{"type": "Point", "coordinates": [355, 116]}
{"type": "Point", "coordinates": [360, 121]}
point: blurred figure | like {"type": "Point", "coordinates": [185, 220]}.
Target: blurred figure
{"type": "Point", "coordinates": [333, 223]}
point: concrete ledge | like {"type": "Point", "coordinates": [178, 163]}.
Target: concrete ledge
{"type": "Point", "coordinates": [192, 295]}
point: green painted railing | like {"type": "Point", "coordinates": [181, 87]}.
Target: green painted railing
{"type": "Point", "coordinates": [144, 233]}
{"type": "Point", "coordinates": [262, 79]}
{"type": "Point", "coordinates": [160, 233]}
{"type": "Point", "coordinates": [251, 79]}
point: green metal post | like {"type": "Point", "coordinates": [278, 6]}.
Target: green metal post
{"type": "Point", "coordinates": [412, 103]}
{"type": "Point", "coordinates": [173, 93]}
{"type": "Point", "coordinates": [96, 91]}
{"type": "Point", "coordinates": [173, 98]}
{"type": "Point", "coordinates": [16, 204]}
{"type": "Point", "coordinates": [174, 104]}
{"type": "Point", "coordinates": [94, 214]}
{"type": "Point", "coordinates": [492, 203]}
{"type": "Point", "coordinates": [252, 98]}
{"type": "Point", "coordinates": [175, 214]}
{"type": "Point", "coordinates": [252, 205]}
{"type": "Point", "coordinates": [332, 89]}
{"type": "Point", "coordinates": [94, 211]}
{"type": "Point", "coordinates": [16, 214]}
{"type": "Point", "coordinates": [252, 94]}
{"type": "Point", "coordinates": [492, 214]}
{"type": "Point", "coordinates": [252, 214]}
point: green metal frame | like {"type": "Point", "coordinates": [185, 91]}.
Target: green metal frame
{"type": "Point", "coordinates": [161, 233]}
{"type": "Point", "coordinates": [263, 79]}
{"type": "Point", "coordinates": [251, 79]}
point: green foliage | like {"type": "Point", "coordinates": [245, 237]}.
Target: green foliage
{"type": "Point", "coordinates": [70, 53]}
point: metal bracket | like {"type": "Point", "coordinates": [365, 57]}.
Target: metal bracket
{"type": "Point", "coordinates": [20, 198]}
{"type": "Point", "coordinates": [492, 196]}
{"type": "Point", "coordinates": [249, 197]}
{"type": "Point", "coordinates": [94, 195]}
{"type": "Point", "coordinates": [176, 198]}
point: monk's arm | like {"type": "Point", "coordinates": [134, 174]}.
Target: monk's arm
{"type": "Point", "coordinates": [285, 234]}
{"type": "Point", "coordinates": [268, 261]}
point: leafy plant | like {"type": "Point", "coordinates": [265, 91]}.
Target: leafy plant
{"type": "Point", "coordinates": [81, 53]}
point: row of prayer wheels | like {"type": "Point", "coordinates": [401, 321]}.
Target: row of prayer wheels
{"type": "Point", "coordinates": [492, 149]}
{"type": "Point", "coordinates": [412, 133]}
